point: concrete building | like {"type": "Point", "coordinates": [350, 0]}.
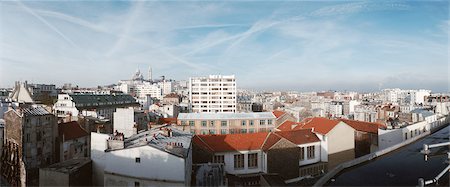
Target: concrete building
{"type": "Point", "coordinates": [74, 141]}
{"type": "Point", "coordinates": [129, 122]}
{"type": "Point", "coordinates": [73, 172]}
{"type": "Point", "coordinates": [161, 156]}
{"type": "Point", "coordinates": [213, 94]}
{"type": "Point", "coordinates": [226, 123]}
{"type": "Point", "coordinates": [166, 87]}
{"type": "Point", "coordinates": [172, 98]}
{"type": "Point", "coordinates": [99, 106]}
{"type": "Point", "coordinates": [153, 90]}
{"type": "Point", "coordinates": [30, 134]}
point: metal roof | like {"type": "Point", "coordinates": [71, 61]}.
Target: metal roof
{"type": "Point", "coordinates": [425, 113]}
{"type": "Point", "coordinates": [219, 116]}
{"type": "Point", "coordinates": [97, 100]}
{"type": "Point", "coordinates": [155, 138]}
{"type": "Point", "coordinates": [35, 111]}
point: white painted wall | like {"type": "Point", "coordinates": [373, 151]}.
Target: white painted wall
{"type": "Point", "coordinates": [154, 165]}
{"type": "Point", "coordinates": [124, 121]}
{"type": "Point", "coordinates": [340, 138]}
{"type": "Point", "coordinates": [117, 180]}
{"type": "Point", "coordinates": [388, 138]}
{"type": "Point", "coordinates": [98, 147]}
{"type": "Point", "coordinates": [317, 155]}
{"type": "Point", "coordinates": [229, 162]}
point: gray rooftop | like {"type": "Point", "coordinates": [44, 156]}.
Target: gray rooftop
{"type": "Point", "coordinates": [68, 166]}
{"type": "Point", "coordinates": [219, 116]}
{"type": "Point", "coordinates": [157, 138]}
{"type": "Point", "coordinates": [35, 111]}
{"type": "Point", "coordinates": [425, 113]}
{"type": "Point", "coordinates": [100, 100]}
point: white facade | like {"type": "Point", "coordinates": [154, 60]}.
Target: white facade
{"type": "Point", "coordinates": [229, 162]}
{"type": "Point", "coordinates": [65, 106]}
{"type": "Point", "coordinates": [213, 94]}
{"type": "Point", "coordinates": [124, 121]}
{"type": "Point", "coordinates": [146, 88]}
{"type": "Point", "coordinates": [155, 165]}
{"type": "Point", "coordinates": [317, 154]}
{"type": "Point", "coordinates": [145, 159]}
{"type": "Point", "coordinates": [166, 87]}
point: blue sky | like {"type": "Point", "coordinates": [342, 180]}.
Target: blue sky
{"type": "Point", "coordinates": [301, 45]}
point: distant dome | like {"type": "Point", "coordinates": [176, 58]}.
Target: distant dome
{"type": "Point", "coordinates": [138, 75]}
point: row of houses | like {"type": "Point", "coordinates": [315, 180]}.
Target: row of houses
{"type": "Point", "coordinates": [311, 147]}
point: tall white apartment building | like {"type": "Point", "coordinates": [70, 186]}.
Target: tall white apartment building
{"type": "Point", "coordinates": [213, 94]}
{"type": "Point", "coordinates": [146, 88]}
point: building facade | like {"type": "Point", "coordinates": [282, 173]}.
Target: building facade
{"type": "Point", "coordinates": [226, 123]}
{"type": "Point", "coordinates": [31, 133]}
{"type": "Point", "coordinates": [213, 94]}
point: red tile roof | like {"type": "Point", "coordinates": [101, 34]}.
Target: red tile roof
{"type": "Point", "coordinates": [298, 137]}
{"type": "Point", "coordinates": [320, 125]}
{"type": "Point", "coordinates": [363, 125]}
{"type": "Point", "coordinates": [278, 113]}
{"type": "Point", "coordinates": [232, 142]}
{"type": "Point", "coordinates": [252, 141]}
{"type": "Point", "coordinates": [71, 130]}
{"type": "Point", "coordinates": [271, 140]}
{"type": "Point", "coordinates": [286, 126]}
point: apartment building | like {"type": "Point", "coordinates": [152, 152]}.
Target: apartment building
{"type": "Point", "coordinates": [95, 105]}
{"type": "Point", "coordinates": [226, 123]}
{"type": "Point", "coordinates": [213, 94]}
{"type": "Point", "coordinates": [30, 141]}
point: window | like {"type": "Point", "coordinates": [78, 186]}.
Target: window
{"type": "Point", "coordinates": [262, 122]}
{"type": "Point", "coordinates": [243, 130]}
{"type": "Point", "coordinates": [212, 131]}
{"type": "Point", "coordinates": [211, 123]}
{"type": "Point", "coordinates": [253, 160]}
{"type": "Point", "coordinates": [269, 122]}
{"type": "Point", "coordinates": [411, 134]}
{"type": "Point", "coordinates": [311, 152]}
{"type": "Point", "coordinates": [191, 123]}
{"type": "Point", "coordinates": [204, 132]}
{"type": "Point", "coordinates": [138, 160]}
{"type": "Point", "coordinates": [223, 131]}
{"type": "Point", "coordinates": [218, 159]}
{"type": "Point", "coordinates": [251, 130]}
{"type": "Point", "coordinates": [251, 122]}
{"type": "Point", "coordinates": [244, 123]}
{"type": "Point", "coordinates": [28, 138]}
{"type": "Point", "coordinates": [302, 153]}
{"type": "Point", "coordinates": [136, 184]}
{"type": "Point", "coordinates": [183, 123]}
{"type": "Point", "coordinates": [406, 135]}
{"type": "Point", "coordinates": [223, 123]}
{"type": "Point", "coordinates": [239, 161]}
{"type": "Point", "coordinates": [203, 123]}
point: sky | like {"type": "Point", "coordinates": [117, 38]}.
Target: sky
{"type": "Point", "coordinates": [267, 45]}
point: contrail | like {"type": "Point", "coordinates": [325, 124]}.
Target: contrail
{"type": "Point", "coordinates": [52, 27]}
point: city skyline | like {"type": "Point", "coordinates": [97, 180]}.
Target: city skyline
{"type": "Point", "coordinates": [361, 46]}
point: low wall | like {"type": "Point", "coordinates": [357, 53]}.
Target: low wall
{"type": "Point", "coordinates": [333, 172]}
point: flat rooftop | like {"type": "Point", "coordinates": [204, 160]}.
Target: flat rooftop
{"type": "Point", "coordinates": [178, 143]}
{"type": "Point", "coordinates": [68, 166]}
